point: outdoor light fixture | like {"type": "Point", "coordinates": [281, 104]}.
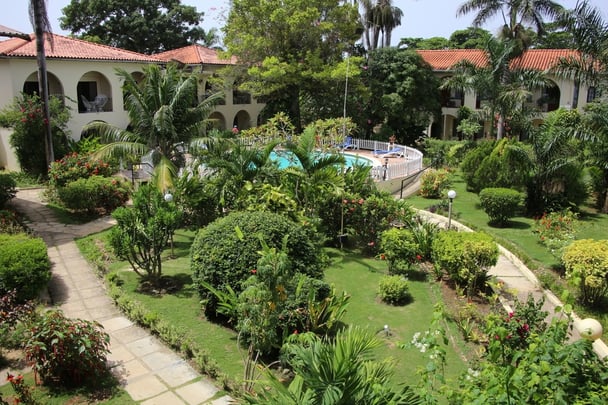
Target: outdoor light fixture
{"type": "Point", "coordinates": [168, 197]}
{"type": "Point", "coordinates": [451, 196]}
{"type": "Point", "coordinates": [384, 177]}
{"type": "Point", "coordinates": [387, 331]}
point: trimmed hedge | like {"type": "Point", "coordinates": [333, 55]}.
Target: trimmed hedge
{"type": "Point", "coordinates": [221, 258]}
{"type": "Point", "coordinates": [24, 265]}
{"type": "Point", "coordinates": [94, 193]}
{"type": "Point", "coordinates": [501, 204]}
{"type": "Point", "coordinates": [465, 256]}
{"type": "Point", "coordinates": [394, 290]}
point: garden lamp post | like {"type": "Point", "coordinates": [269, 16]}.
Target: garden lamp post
{"type": "Point", "coordinates": [589, 328]}
{"type": "Point", "coordinates": [169, 198]}
{"type": "Point", "coordinates": [451, 196]}
{"type": "Point", "coordinates": [384, 177]}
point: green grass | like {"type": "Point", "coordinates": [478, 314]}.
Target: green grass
{"type": "Point", "coordinates": [519, 238]}
{"type": "Point", "coordinates": [52, 396]}
{"type": "Point", "coordinates": [359, 277]}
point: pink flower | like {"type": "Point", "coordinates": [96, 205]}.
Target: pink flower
{"type": "Point", "coordinates": [253, 271]}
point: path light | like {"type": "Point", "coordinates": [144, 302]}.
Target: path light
{"type": "Point", "coordinates": [384, 177]}
{"type": "Point", "coordinates": [169, 198]}
{"type": "Point", "coordinates": [387, 331]}
{"type": "Point", "coordinates": [451, 196]}
{"type": "Point", "coordinates": [589, 329]}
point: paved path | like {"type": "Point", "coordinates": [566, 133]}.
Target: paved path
{"type": "Point", "coordinates": [150, 372]}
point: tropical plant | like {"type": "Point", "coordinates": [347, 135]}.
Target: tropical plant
{"type": "Point", "coordinates": [7, 188]}
{"type": "Point", "coordinates": [338, 371]}
{"type": "Point", "coordinates": [379, 20]}
{"type": "Point", "coordinates": [163, 116]}
{"type": "Point", "coordinates": [434, 183]}
{"type": "Point", "coordinates": [517, 16]}
{"type": "Point", "coordinates": [143, 231]}
{"type": "Point", "coordinates": [71, 352]}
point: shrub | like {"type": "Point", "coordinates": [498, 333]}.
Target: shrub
{"type": "Point", "coordinates": [471, 163]}
{"type": "Point", "coordinates": [10, 222]}
{"type": "Point", "coordinates": [225, 252]}
{"type": "Point", "coordinates": [556, 230]}
{"type": "Point", "coordinates": [394, 290]}
{"type": "Point", "coordinates": [586, 263]}
{"type": "Point", "coordinates": [142, 231]}
{"type": "Point", "coordinates": [94, 193]}
{"type": "Point", "coordinates": [399, 249]}
{"type": "Point", "coordinates": [26, 118]}
{"type": "Point", "coordinates": [14, 317]}
{"type": "Point", "coordinates": [466, 257]}
{"type": "Point", "coordinates": [24, 265]}
{"type": "Point", "coordinates": [7, 188]}
{"type": "Point", "coordinates": [76, 166]}
{"type": "Point", "coordinates": [434, 183]}
{"type": "Point", "coordinates": [501, 204]}
{"type": "Point", "coordinates": [70, 352]}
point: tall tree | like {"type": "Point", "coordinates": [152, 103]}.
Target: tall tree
{"type": "Point", "coordinates": [404, 92]}
{"type": "Point", "coordinates": [379, 20]}
{"type": "Point", "coordinates": [471, 38]}
{"type": "Point", "coordinates": [149, 26]}
{"type": "Point", "coordinates": [518, 17]}
{"type": "Point", "coordinates": [162, 119]}
{"type": "Point", "coordinates": [500, 82]}
{"type": "Point", "coordinates": [40, 21]}
{"type": "Point", "coordinates": [292, 48]}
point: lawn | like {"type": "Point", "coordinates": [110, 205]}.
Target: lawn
{"type": "Point", "coordinates": [349, 271]}
{"type": "Point", "coordinates": [519, 238]}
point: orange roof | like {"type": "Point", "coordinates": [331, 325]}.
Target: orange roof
{"type": "Point", "coordinates": [538, 59]}
{"type": "Point", "coordinates": [71, 48]}
{"type": "Point", "coordinates": [195, 55]}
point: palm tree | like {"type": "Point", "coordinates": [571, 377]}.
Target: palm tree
{"type": "Point", "coordinates": [316, 174]}
{"type": "Point", "coordinates": [590, 32]}
{"type": "Point", "coordinates": [501, 82]}
{"type": "Point", "coordinates": [163, 117]}
{"type": "Point", "coordinates": [517, 15]}
{"type": "Point", "coordinates": [340, 371]}
{"type": "Point", "coordinates": [380, 18]}
{"type": "Point", "coordinates": [40, 21]}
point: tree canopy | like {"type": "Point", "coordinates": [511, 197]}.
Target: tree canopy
{"type": "Point", "coordinates": [292, 48]}
{"type": "Point", "coordinates": [142, 26]}
{"type": "Point", "coordinates": [404, 91]}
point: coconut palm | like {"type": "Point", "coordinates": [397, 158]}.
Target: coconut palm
{"type": "Point", "coordinates": [314, 174]}
{"type": "Point", "coordinates": [518, 16]}
{"type": "Point", "coordinates": [379, 19]}
{"type": "Point", "coordinates": [501, 82]}
{"type": "Point", "coordinates": [163, 118]}
{"type": "Point", "coordinates": [40, 21]}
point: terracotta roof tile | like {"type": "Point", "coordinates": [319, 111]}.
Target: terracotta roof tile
{"type": "Point", "coordinates": [71, 48]}
{"type": "Point", "coordinates": [538, 59]}
{"type": "Point", "coordinates": [195, 55]}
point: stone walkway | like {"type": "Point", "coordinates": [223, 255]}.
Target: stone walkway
{"type": "Point", "coordinates": [150, 372]}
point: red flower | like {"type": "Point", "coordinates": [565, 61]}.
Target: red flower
{"type": "Point", "coordinates": [371, 244]}
{"type": "Point", "coordinates": [418, 257]}
{"type": "Point", "coordinates": [253, 271]}
{"type": "Point", "coordinates": [295, 332]}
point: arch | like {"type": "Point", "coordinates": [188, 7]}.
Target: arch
{"type": "Point", "coordinates": [87, 134]}
{"type": "Point", "coordinates": [217, 120]}
{"type": "Point", "coordinates": [94, 93]}
{"type": "Point", "coordinates": [242, 120]}
{"type": "Point", "coordinates": [30, 85]}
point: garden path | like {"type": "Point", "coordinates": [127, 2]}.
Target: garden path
{"type": "Point", "coordinates": [149, 371]}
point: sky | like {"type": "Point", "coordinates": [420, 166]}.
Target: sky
{"type": "Point", "coordinates": [421, 18]}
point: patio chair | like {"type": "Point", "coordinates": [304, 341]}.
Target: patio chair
{"type": "Point", "coordinates": [100, 102]}
{"type": "Point", "coordinates": [394, 152]}
{"type": "Point", "coordinates": [89, 105]}
{"type": "Point", "coordinates": [348, 144]}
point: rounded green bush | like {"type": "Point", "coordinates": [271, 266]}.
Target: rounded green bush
{"type": "Point", "coordinates": [225, 253]}
{"type": "Point", "coordinates": [501, 204]}
{"type": "Point", "coordinates": [24, 265]}
{"type": "Point", "coordinates": [394, 290]}
{"type": "Point", "coordinates": [7, 188]}
{"type": "Point", "coordinates": [586, 264]}
{"type": "Point", "coordinates": [94, 193]}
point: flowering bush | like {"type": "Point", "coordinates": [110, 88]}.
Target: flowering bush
{"type": "Point", "coordinates": [556, 229]}
{"type": "Point", "coordinates": [10, 222]}
{"type": "Point", "coordinates": [75, 166]}
{"type": "Point", "coordinates": [434, 183]}
{"type": "Point", "coordinates": [95, 193]}
{"type": "Point", "coordinates": [26, 118]}
{"type": "Point", "coordinates": [68, 351]}
{"type": "Point", "coordinates": [23, 391]}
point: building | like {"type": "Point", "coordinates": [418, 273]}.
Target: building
{"type": "Point", "coordinates": [83, 74]}
{"type": "Point", "coordinates": [563, 92]}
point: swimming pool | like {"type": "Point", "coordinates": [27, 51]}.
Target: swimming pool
{"type": "Point", "coordinates": [286, 159]}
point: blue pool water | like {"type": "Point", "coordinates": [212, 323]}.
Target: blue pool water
{"type": "Point", "coordinates": [285, 159]}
